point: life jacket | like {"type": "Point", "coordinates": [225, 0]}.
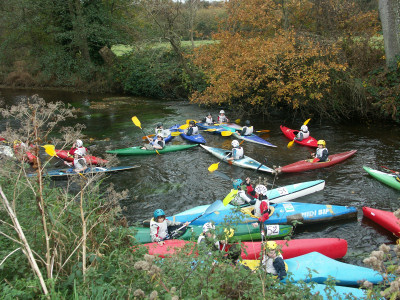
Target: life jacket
{"type": "Point", "coordinates": [79, 163]}
{"type": "Point", "coordinates": [161, 143]}
{"type": "Point", "coordinates": [322, 154]}
{"type": "Point", "coordinates": [237, 153]}
{"type": "Point", "coordinates": [248, 130]}
{"type": "Point", "coordinates": [209, 120]}
{"type": "Point", "coordinates": [158, 231]}
{"type": "Point", "coordinates": [222, 119]}
{"type": "Point", "coordinates": [202, 239]}
{"type": "Point", "coordinates": [241, 198]}
{"type": "Point", "coordinates": [257, 208]}
{"type": "Point", "coordinates": [268, 263]}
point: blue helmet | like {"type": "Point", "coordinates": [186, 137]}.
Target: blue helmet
{"type": "Point", "coordinates": [158, 213]}
{"type": "Point", "coordinates": [237, 183]}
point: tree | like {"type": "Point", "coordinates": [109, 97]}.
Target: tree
{"type": "Point", "coordinates": [389, 11]}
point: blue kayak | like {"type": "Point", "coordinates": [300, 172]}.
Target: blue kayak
{"type": "Point", "coordinates": [245, 162]}
{"type": "Point", "coordinates": [197, 138]}
{"type": "Point", "coordinates": [282, 213]}
{"type": "Point", "coordinates": [337, 292]}
{"type": "Point", "coordinates": [88, 171]}
{"type": "Point", "coordinates": [249, 138]}
{"type": "Point", "coordinates": [316, 267]}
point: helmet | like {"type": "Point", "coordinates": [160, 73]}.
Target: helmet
{"type": "Point", "coordinates": [321, 142]}
{"type": "Point", "coordinates": [221, 111]}
{"type": "Point", "coordinates": [271, 245]}
{"type": "Point", "coordinates": [192, 122]}
{"type": "Point", "coordinates": [247, 122]}
{"type": "Point", "coordinates": [158, 213]}
{"type": "Point", "coordinates": [208, 226]}
{"type": "Point", "coordinates": [235, 143]}
{"type": "Point", "coordinates": [304, 128]}
{"type": "Point", "coordinates": [79, 143]}
{"type": "Point", "coordinates": [261, 189]}
{"type": "Point", "coordinates": [159, 124]}
{"type": "Point", "coordinates": [237, 183]}
{"type": "Point", "coordinates": [208, 114]}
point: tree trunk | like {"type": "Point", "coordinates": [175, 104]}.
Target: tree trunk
{"type": "Point", "coordinates": [389, 11]}
{"type": "Point", "coordinates": [78, 23]}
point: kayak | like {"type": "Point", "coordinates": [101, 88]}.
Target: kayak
{"type": "Point", "coordinates": [196, 138]}
{"type": "Point", "coordinates": [293, 191]}
{"type": "Point", "coordinates": [139, 151]}
{"type": "Point", "coordinates": [282, 213]}
{"type": "Point", "coordinates": [388, 179]}
{"type": "Point", "coordinates": [88, 171]}
{"type": "Point", "coordinates": [305, 165]}
{"type": "Point", "coordinates": [335, 248]}
{"type": "Point", "coordinates": [245, 162]}
{"type": "Point", "coordinates": [92, 160]}
{"type": "Point", "coordinates": [253, 139]}
{"type": "Point", "coordinates": [241, 232]}
{"type": "Point", "coordinates": [336, 291]}
{"type": "Point", "coordinates": [316, 267]}
{"type": "Point", "coordinates": [384, 218]}
{"type": "Point", "coordinates": [291, 134]}
{"type": "Point", "coordinates": [218, 128]}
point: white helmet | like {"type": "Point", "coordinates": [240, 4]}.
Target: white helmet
{"type": "Point", "coordinates": [261, 189]}
{"type": "Point", "coordinates": [79, 143]}
{"type": "Point", "coordinates": [304, 128]}
{"type": "Point", "coordinates": [235, 143]}
{"type": "Point", "coordinates": [208, 226]}
{"type": "Point", "coordinates": [221, 111]}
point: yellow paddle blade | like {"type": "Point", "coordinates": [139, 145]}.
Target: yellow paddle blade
{"type": "Point", "coordinates": [176, 133]}
{"type": "Point", "coordinates": [266, 130]}
{"type": "Point", "coordinates": [213, 167]}
{"type": "Point", "coordinates": [229, 197]}
{"type": "Point", "coordinates": [136, 121]}
{"type": "Point", "coordinates": [50, 150]}
{"type": "Point", "coordinates": [184, 126]}
{"type": "Point", "coordinates": [226, 133]}
{"type": "Point", "coordinates": [290, 144]}
{"type": "Point", "coordinates": [237, 121]}
{"type": "Point", "coordinates": [306, 122]}
{"type": "Point", "coordinates": [211, 130]}
{"type": "Point", "coordinates": [148, 137]}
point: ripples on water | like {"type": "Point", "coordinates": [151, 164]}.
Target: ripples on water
{"type": "Point", "coordinates": [180, 180]}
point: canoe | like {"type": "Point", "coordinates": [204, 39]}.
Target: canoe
{"type": "Point", "coordinates": [388, 179]}
{"type": "Point", "coordinates": [88, 171]}
{"type": "Point", "coordinates": [334, 247]}
{"type": "Point", "coordinates": [197, 138]}
{"type": "Point", "coordinates": [241, 232]}
{"type": "Point", "coordinates": [293, 191]}
{"type": "Point", "coordinates": [384, 218]}
{"type": "Point", "coordinates": [316, 267]}
{"type": "Point", "coordinates": [282, 213]}
{"type": "Point", "coordinates": [139, 151]}
{"type": "Point", "coordinates": [91, 160]}
{"type": "Point", "coordinates": [305, 165]}
{"type": "Point", "coordinates": [291, 134]}
{"type": "Point", "coordinates": [245, 162]}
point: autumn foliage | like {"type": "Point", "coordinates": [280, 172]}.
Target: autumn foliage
{"type": "Point", "coordinates": [264, 56]}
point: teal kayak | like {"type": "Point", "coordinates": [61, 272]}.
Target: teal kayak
{"type": "Point", "coordinates": [388, 179]}
{"type": "Point", "coordinates": [245, 162]}
{"type": "Point", "coordinates": [241, 232]}
{"type": "Point", "coordinates": [139, 151]}
{"type": "Point", "coordinates": [88, 171]}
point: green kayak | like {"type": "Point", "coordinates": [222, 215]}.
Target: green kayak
{"type": "Point", "coordinates": [388, 179]}
{"type": "Point", "coordinates": [242, 232]}
{"type": "Point", "coordinates": [139, 151]}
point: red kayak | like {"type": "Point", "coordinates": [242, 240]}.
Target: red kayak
{"type": "Point", "coordinates": [305, 165]}
{"type": "Point", "coordinates": [63, 154]}
{"type": "Point", "coordinates": [291, 134]}
{"type": "Point", "coordinates": [384, 218]}
{"type": "Point", "coordinates": [331, 247]}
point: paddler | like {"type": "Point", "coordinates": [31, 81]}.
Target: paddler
{"type": "Point", "coordinates": [79, 162]}
{"type": "Point", "coordinates": [261, 204]}
{"type": "Point", "coordinates": [237, 151]}
{"type": "Point", "coordinates": [208, 119]}
{"type": "Point", "coordinates": [192, 129]}
{"type": "Point", "coordinates": [222, 118]}
{"type": "Point", "coordinates": [158, 144]}
{"type": "Point", "coordinates": [160, 130]}
{"type": "Point", "coordinates": [78, 145]}
{"type": "Point", "coordinates": [272, 260]}
{"type": "Point", "coordinates": [246, 129]}
{"type": "Point", "coordinates": [321, 154]}
{"type": "Point", "coordinates": [159, 227]}
{"type": "Point", "coordinates": [302, 134]}
{"type": "Point", "coordinates": [241, 197]}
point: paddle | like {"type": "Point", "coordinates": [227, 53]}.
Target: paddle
{"type": "Point", "coordinates": [175, 133]}
{"type": "Point", "coordinates": [266, 130]}
{"type": "Point", "coordinates": [214, 167]}
{"type": "Point", "coordinates": [50, 150]}
{"type": "Point", "coordinates": [389, 170]}
{"type": "Point", "coordinates": [230, 197]}
{"type": "Point", "coordinates": [136, 121]}
{"type": "Point", "coordinates": [226, 133]}
{"type": "Point", "coordinates": [290, 144]}
{"type": "Point", "coordinates": [212, 208]}
{"type": "Point", "coordinates": [148, 137]}
{"type": "Point", "coordinates": [237, 121]}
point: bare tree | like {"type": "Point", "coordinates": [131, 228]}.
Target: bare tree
{"type": "Point", "coordinates": [389, 11]}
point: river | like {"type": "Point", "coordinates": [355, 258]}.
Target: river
{"type": "Point", "coordinates": [180, 180]}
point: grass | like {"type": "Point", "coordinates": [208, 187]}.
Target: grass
{"type": "Point", "coordinates": [120, 50]}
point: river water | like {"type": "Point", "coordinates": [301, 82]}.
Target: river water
{"type": "Point", "coordinates": [180, 180]}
